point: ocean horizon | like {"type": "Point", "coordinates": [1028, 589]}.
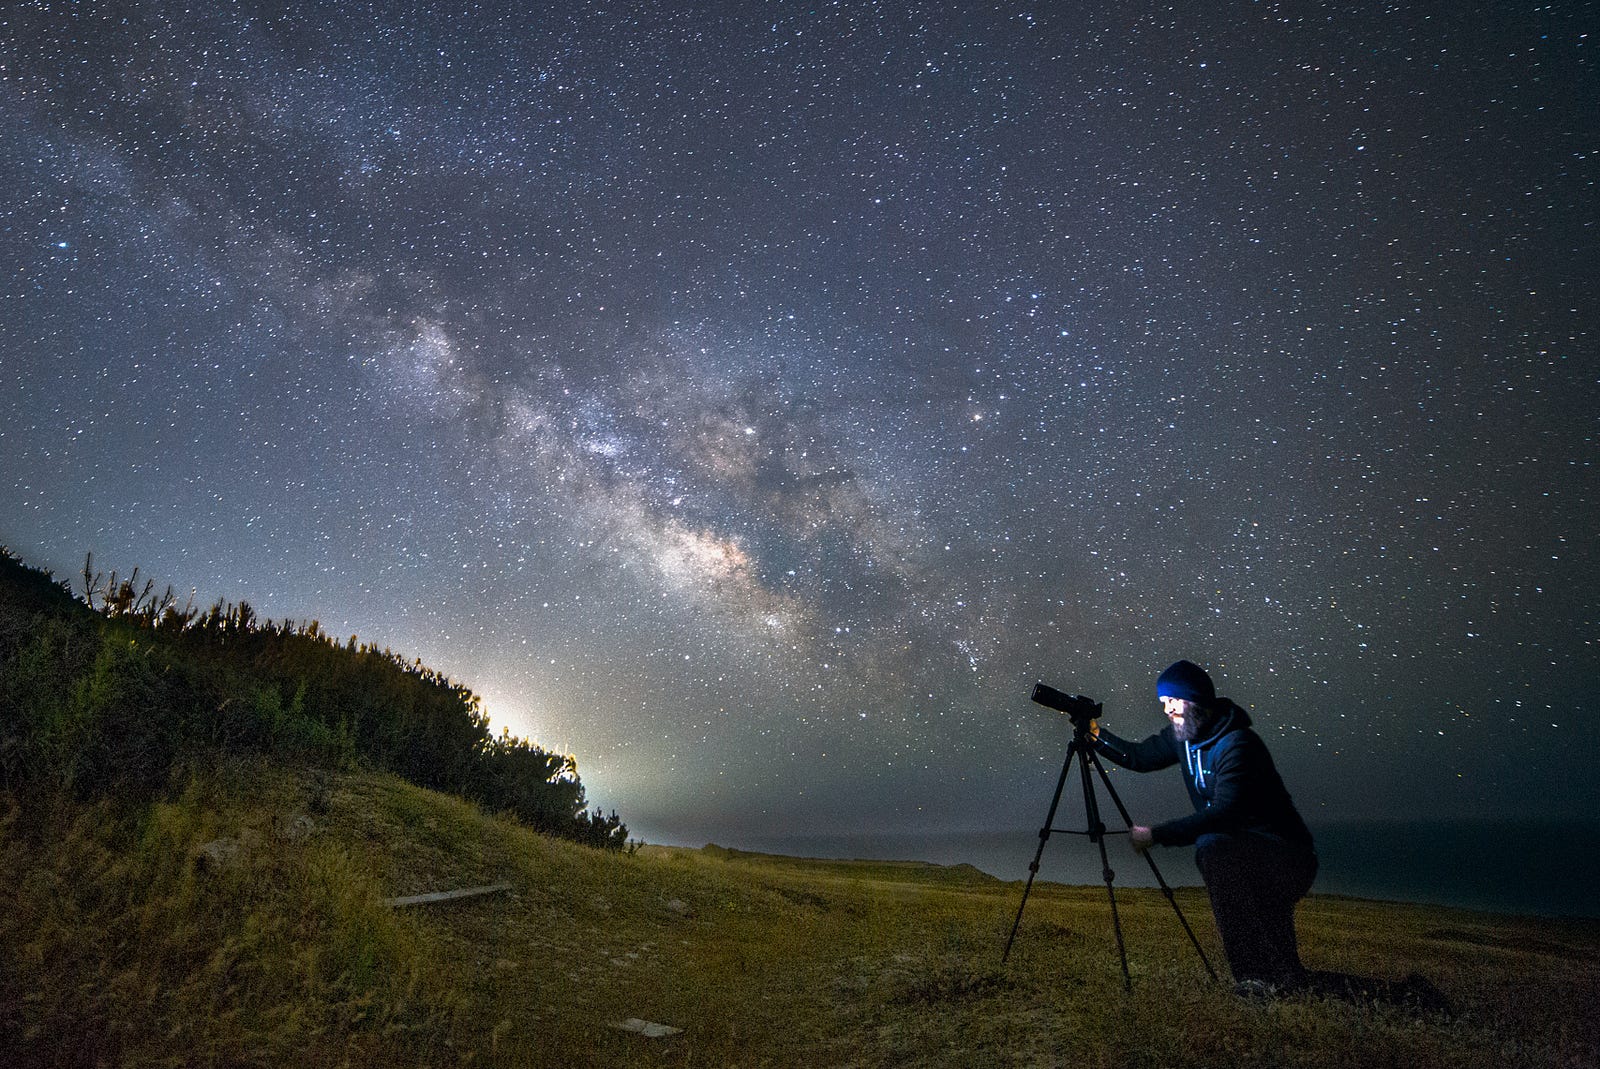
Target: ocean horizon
{"type": "Point", "coordinates": [1538, 868]}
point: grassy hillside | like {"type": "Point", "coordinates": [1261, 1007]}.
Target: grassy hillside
{"type": "Point", "coordinates": [124, 691]}
{"type": "Point", "coordinates": [125, 941]}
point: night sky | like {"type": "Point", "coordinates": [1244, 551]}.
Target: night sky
{"type": "Point", "coordinates": [755, 399]}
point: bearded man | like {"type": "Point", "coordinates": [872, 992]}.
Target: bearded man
{"type": "Point", "coordinates": [1253, 850]}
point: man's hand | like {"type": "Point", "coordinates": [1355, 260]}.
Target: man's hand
{"type": "Point", "coordinates": [1141, 838]}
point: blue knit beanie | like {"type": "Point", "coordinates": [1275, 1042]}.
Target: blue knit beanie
{"type": "Point", "coordinates": [1187, 681]}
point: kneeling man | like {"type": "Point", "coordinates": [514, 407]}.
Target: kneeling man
{"type": "Point", "coordinates": [1252, 848]}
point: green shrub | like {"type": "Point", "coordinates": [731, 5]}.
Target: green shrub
{"type": "Point", "coordinates": [120, 697]}
{"type": "Point", "coordinates": [36, 689]}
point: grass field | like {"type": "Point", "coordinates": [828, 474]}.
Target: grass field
{"type": "Point", "coordinates": [122, 942]}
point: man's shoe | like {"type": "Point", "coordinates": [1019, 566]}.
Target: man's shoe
{"type": "Point", "coordinates": [1254, 990]}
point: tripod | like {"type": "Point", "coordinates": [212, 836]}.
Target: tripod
{"type": "Point", "coordinates": [1081, 749]}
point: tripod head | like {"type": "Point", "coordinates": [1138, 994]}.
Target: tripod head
{"type": "Point", "coordinates": [1082, 711]}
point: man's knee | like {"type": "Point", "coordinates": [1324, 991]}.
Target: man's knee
{"type": "Point", "coordinates": [1217, 850]}
{"type": "Point", "coordinates": [1270, 871]}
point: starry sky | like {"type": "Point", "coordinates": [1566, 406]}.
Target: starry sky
{"type": "Point", "coordinates": [755, 398]}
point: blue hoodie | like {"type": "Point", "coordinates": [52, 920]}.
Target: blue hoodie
{"type": "Point", "coordinates": [1230, 775]}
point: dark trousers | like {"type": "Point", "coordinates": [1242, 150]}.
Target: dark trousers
{"type": "Point", "coordinates": [1254, 883]}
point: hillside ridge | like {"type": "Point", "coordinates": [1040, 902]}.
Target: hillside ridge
{"type": "Point", "coordinates": [122, 947]}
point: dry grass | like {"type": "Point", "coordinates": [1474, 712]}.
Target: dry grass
{"type": "Point", "coordinates": [120, 948]}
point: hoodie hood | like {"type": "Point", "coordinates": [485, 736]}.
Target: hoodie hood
{"type": "Point", "coordinates": [1229, 717]}
{"type": "Point", "coordinates": [1196, 755]}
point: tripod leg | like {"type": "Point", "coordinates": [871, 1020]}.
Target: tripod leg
{"type": "Point", "coordinates": [1097, 832]}
{"type": "Point", "coordinates": [1044, 837]}
{"type": "Point", "coordinates": [1161, 882]}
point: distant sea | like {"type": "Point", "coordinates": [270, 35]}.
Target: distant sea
{"type": "Point", "coordinates": [1542, 868]}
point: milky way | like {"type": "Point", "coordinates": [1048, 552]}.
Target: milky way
{"type": "Point", "coordinates": [753, 399]}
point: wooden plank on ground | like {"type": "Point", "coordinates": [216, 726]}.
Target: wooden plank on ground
{"type": "Point", "coordinates": [446, 896]}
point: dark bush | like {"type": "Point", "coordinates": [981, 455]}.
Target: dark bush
{"type": "Point", "coordinates": [117, 697]}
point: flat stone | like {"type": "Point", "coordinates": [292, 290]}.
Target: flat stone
{"type": "Point", "coordinates": [648, 1029]}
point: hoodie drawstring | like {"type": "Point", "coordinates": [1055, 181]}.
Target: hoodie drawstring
{"type": "Point", "coordinates": [1194, 761]}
